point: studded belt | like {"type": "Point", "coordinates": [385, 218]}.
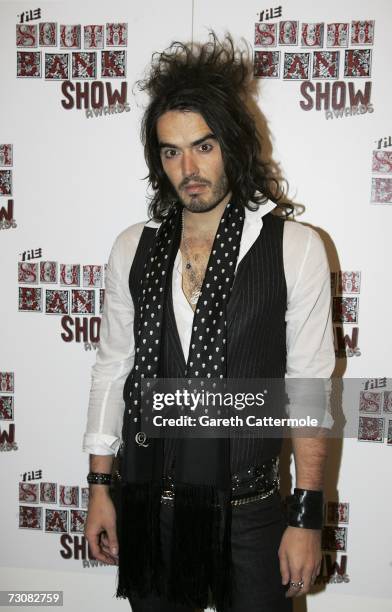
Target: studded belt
{"type": "Point", "coordinates": [251, 484]}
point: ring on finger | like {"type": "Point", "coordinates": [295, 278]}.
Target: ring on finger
{"type": "Point", "coordinates": [297, 585]}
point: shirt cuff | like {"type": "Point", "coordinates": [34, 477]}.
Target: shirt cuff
{"type": "Point", "coordinates": [100, 444]}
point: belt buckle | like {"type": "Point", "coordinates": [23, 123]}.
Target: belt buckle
{"type": "Point", "coordinates": [167, 495]}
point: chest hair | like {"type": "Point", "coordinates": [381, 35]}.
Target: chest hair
{"type": "Point", "coordinates": [197, 253]}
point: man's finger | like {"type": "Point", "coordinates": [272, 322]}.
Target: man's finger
{"type": "Point", "coordinates": [314, 575]}
{"type": "Point", "coordinates": [307, 580]}
{"type": "Point", "coordinates": [284, 568]}
{"type": "Point", "coordinates": [294, 589]}
{"type": "Point", "coordinates": [105, 543]}
{"type": "Point", "coordinates": [106, 549]}
{"type": "Point", "coordinates": [112, 541]}
{"type": "Point", "coordinates": [95, 548]}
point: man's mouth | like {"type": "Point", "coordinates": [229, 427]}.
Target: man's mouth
{"type": "Point", "coordinates": [194, 188]}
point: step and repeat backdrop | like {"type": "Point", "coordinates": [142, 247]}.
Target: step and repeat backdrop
{"type": "Point", "coordinates": [71, 179]}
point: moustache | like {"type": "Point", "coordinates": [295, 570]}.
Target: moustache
{"type": "Point", "coordinates": [193, 182]}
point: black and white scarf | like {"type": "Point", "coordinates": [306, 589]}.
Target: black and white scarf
{"type": "Point", "coordinates": [201, 537]}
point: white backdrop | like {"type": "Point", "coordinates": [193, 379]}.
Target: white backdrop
{"type": "Point", "coordinates": [77, 182]}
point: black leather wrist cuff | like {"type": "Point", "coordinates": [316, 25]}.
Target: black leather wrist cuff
{"type": "Point", "coordinates": [305, 509]}
{"type": "Point", "coordinates": [99, 478]}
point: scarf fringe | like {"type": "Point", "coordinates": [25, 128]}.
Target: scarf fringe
{"type": "Point", "coordinates": [201, 569]}
{"type": "Point", "coordinates": [138, 530]}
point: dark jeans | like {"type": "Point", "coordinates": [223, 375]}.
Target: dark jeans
{"type": "Point", "coordinates": [257, 528]}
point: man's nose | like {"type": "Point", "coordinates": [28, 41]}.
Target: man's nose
{"type": "Point", "coordinates": [189, 165]}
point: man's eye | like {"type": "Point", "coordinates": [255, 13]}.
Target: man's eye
{"type": "Point", "coordinates": [170, 153]}
{"type": "Point", "coordinates": [205, 147]}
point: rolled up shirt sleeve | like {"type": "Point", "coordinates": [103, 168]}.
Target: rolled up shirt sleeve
{"type": "Point", "coordinates": [309, 331]}
{"type": "Point", "coordinates": [116, 351]}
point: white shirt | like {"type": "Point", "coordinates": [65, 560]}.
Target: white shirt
{"type": "Point", "coordinates": [309, 334]}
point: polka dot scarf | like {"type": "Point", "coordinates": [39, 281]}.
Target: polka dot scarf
{"type": "Point", "coordinates": [201, 555]}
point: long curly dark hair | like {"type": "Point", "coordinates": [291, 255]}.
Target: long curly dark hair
{"type": "Point", "coordinates": [211, 79]}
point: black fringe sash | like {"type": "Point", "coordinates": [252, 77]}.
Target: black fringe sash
{"type": "Point", "coordinates": [138, 531]}
{"type": "Point", "coordinates": [200, 570]}
{"type": "Point", "coordinates": [201, 562]}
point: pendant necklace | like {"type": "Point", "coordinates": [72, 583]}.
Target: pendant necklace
{"type": "Point", "coordinates": [195, 280]}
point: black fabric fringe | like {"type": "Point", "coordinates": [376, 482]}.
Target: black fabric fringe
{"type": "Point", "coordinates": [138, 530]}
{"type": "Point", "coordinates": [201, 568]}
{"type": "Point", "coordinates": [200, 562]}
{"type": "Point", "coordinates": [200, 572]}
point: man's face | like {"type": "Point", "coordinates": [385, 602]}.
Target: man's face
{"type": "Point", "coordinates": [192, 160]}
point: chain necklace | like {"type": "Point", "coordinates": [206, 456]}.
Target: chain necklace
{"type": "Point", "coordinates": [195, 279]}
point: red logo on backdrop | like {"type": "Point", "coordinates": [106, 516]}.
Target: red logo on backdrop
{"type": "Point", "coordinates": [48, 272]}
{"type": "Point", "coordinates": [28, 64]}
{"type": "Point", "coordinates": [325, 65]}
{"type": "Point", "coordinates": [84, 65]}
{"type": "Point", "coordinates": [5, 182]}
{"type": "Point", "coordinates": [312, 34]}
{"type": "Point", "coordinates": [370, 401]}
{"type": "Point", "coordinates": [288, 32]}
{"type": "Point", "coordinates": [75, 52]}
{"type": "Point", "coordinates": [296, 66]}
{"type": "Point", "coordinates": [29, 492]}
{"type": "Point", "coordinates": [345, 289]}
{"type": "Point", "coordinates": [337, 34]}
{"type": "Point", "coordinates": [69, 275]}
{"type": "Point", "coordinates": [26, 35]}
{"type": "Point", "coordinates": [30, 299]}
{"type": "Point", "coordinates": [362, 32]}
{"type": "Point", "coordinates": [48, 34]}
{"type": "Point", "coordinates": [382, 162]}
{"type": "Point", "coordinates": [6, 408]}
{"type": "Point", "coordinates": [7, 429]}
{"type": "Point", "coordinates": [357, 63]}
{"type": "Point", "coordinates": [7, 382]}
{"type": "Point", "coordinates": [70, 36]}
{"type": "Point", "coordinates": [57, 301]}
{"type": "Point", "coordinates": [7, 220]}
{"type": "Point", "coordinates": [57, 66]}
{"type": "Point", "coordinates": [316, 60]}
{"type": "Point", "coordinates": [93, 37]}
{"type": "Point", "coordinates": [80, 293]}
{"type": "Point", "coordinates": [334, 542]}
{"type": "Point", "coordinates": [7, 437]}
{"type": "Point", "coordinates": [116, 34]}
{"type": "Point", "coordinates": [381, 190]}
{"type": "Point", "coordinates": [381, 181]}
{"type": "Point", "coordinates": [113, 64]}
{"type": "Point", "coordinates": [371, 429]}
{"type": "Point", "coordinates": [56, 521]}
{"type": "Point", "coordinates": [5, 155]}
{"type": "Point", "coordinates": [265, 34]}
{"type": "Point", "coordinates": [30, 517]}
{"type": "Point", "coordinates": [375, 403]}
{"type": "Point", "coordinates": [56, 509]}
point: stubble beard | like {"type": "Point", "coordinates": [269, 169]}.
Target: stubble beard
{"type": "Point", "coordinates": [201, 203]}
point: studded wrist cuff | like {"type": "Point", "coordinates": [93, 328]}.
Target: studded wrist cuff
{"type": "Point", "coordinates": [99, 478]}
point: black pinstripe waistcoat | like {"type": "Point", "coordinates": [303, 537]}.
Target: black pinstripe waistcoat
{"type": "Point", "coordinates": [256, 329]}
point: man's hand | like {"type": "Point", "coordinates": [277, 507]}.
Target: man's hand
{"type": "Point", "coordinates": [300, 558]}
{"type": "Point", "coordinates": [100, 527]}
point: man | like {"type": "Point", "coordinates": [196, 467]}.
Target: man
{"type": "Point", "coordinates": [199, 521]}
